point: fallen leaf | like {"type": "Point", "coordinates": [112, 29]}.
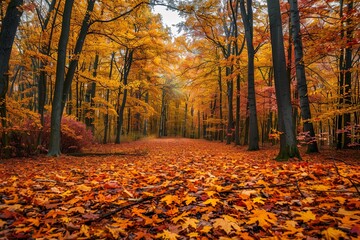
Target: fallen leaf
{"type": "Point", "coordinates": [305, 216]}
{"type": "Point", "coordinates": [167, 235]}
{"type": "Point", "coordinates": [332, 233]}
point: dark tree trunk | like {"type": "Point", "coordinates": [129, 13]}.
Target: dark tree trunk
{"type": "Point", "coordinates": [55, 132]}
{"type": "Point", "coordinates": [9, 27]}
{"type": "Point", "coordinates": [301, 78]}
{"type": "Point", "coordinates": [230, 123]}
{"type": "Point", "coordinates": [90, 94]}
{"type": "Point", "coordinates": [128, 59]}
{"type": "Point", "coordinates": [78, 48]}
{"type": "Point", "coordinates": [221, 131]}
{"type": "Point", "coordinates": [247, 18]}
{"type": "Point", "coordinates": [145, 129]}
{"type": "Point", "coordinates": [288, 146]}
{"type": "Point", "coordinates": [106, 117]}
{"type": "Point", "coordinates": [345, 64]}
{"type": "Point", "coordinates": [185, 119]}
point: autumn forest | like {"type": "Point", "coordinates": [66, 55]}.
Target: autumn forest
{"type": "Point", "coordinates": [243, 124]}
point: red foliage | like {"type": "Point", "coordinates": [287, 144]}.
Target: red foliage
{"type": "Point", "coordinates": [23, 140]}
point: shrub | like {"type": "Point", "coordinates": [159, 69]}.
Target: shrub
{"type": "Point", "coordinates": [23, 136]}
{"type": "Point", "coordinates": [74, 135]}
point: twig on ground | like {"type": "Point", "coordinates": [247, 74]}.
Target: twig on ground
{"type": "Point", "coordinates": [119, 209]}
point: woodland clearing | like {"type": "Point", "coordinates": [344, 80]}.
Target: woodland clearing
{"type": "Point", "coordinates": [180, 189]}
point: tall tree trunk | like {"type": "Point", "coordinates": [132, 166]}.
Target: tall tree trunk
{"type": "Point", "coordinates": [54, 147]}
{"type": "Point", "coordinates": [247, 17]}
{"type": "Point", "coordinates": [301, 78]}
{"type": "Point", "coordinates": [128, 59]}
{"type": "Point", "coordinates": [185, 120]}
{"type": "Point", "coordinates": [9, 27]}
{"type": "Point", "coordinates": [288, 146]}
{"type": "Point", "coordinates": [90, 94]}
{"type": "Point", "coordinates": [221, 131]}
{"type": "Point", "coordinates": [106, 117]}
{"type": "Point", "coordinates": [345, 64]}
{"type": "Point", "coordinates": [230, 123]}
{"type": "Point", "coordinates": [77, 51]}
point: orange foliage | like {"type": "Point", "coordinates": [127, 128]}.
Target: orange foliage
{"type": "Point", "coordinates": [180, 189]}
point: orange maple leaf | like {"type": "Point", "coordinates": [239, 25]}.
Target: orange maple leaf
{"type": "Point", "coordinates": [169, 199]}
{"type": "Point", "coordinates": [212, 201]}
{"type": "Point", "coordinates": [167, 235]}
{"type": "Point", "coordinates": [332, 233]}
{"type": "Point", "coordinates": [189, 199]}
{"type": "Point", "coordinates": [263, 218]}
{"type": "Point", "coordinates": [189, 222]}
{"type": "Point", "coordinates": [227, 223]}
{"type": "Point", "coordinates": [306, 216]}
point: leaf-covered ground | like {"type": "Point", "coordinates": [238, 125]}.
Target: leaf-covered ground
{"type": "Point", "coordinates": [180, 189]}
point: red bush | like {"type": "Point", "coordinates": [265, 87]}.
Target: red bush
{"type": "Point", "coordinates": [23, 139]}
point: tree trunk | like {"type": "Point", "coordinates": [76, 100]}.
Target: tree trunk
{"type": "Point", "coordinates": [288, 147]}
{"type": "Point", "coordinates": [301, 78]}
{"type": "Point", "coordinates": [128, 59]}
{"type": "Point", "coordinates": [55, 131]}
{"type": "Point", "coordinates": [9, 27]}
{"type": "Point", "coordinates": [221, 131]}
{"type": "Point", "coordinates": [90, 94]}
{"type": "Point", "coordinates": [106, 117]}
{"type": "Point", "coordinates": [78, 48]}
{"type": "Point", "coordinates": [230, 123]}
{"type": "Point", "coordinates": [247, 18]}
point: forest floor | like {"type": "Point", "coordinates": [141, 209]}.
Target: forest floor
{"type": "Point", "coordinates": [181, 189]}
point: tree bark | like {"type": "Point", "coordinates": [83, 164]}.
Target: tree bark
{"type": "Point", "coordinates": [9, 27]}
{"type": "Point", "coordinates": [247, 18]}
{"type": "Point", "coordinates": [77, 51]}
{"type": "Point", "coordinates": [288, 147]}
{"type": "Point", "coordinates": [55, 131]}
{"type": "Point", "coordinates": [301, 78]}
{"type": "Point", "coordinates": [128, 59]}
{"type": "Point", "coordinates": [230, 123]}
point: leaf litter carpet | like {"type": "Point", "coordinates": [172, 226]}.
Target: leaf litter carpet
{"type": "Point", "coordinates": [180, 189]}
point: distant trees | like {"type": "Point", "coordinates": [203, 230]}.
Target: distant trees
{"type": "Point", "coordinates": [119, 71]}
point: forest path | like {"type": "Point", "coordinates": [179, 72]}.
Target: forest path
{"type": "Point", "coordinates": [178, 189]}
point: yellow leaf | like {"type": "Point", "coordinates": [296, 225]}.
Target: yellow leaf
{"type": "Point", "coordinates": [189, 199]}
{"type": "Point", "coordinates": [212, 201]}
{"type": "Point", "coordinates": [332, 233]}
{"type": "Point", "coordinates": [226, 223]}
{"type": "Point", "coordinates": [206, 229]}
{"type": "Point", "coordinates": [259, 200]}
{"type": "Point", "coordinates": [341, 200]}
{"type": "Point", "coordinates": [210, 193]}
{"type": "Point", "coordinates": [167, 235]}
{"type": "Point", "coordinates": [84, 188]}
{"type": "Point", "coordinates": [85, 230]}
{"type": "Point", "coordinates": [306, 216]}
{"type": "Point", "coordinates": [290, 227]}
{"type": "Point", "coordinates": [169, 199]}
{"type": "Point", "coordinates": [193, 234]}
{"type": "Point", "coordinates": [320, 187]}
{"type": "Point", "coordinates": [181, 217]}
{"type": "Point", "coordinates": [190, 222]}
